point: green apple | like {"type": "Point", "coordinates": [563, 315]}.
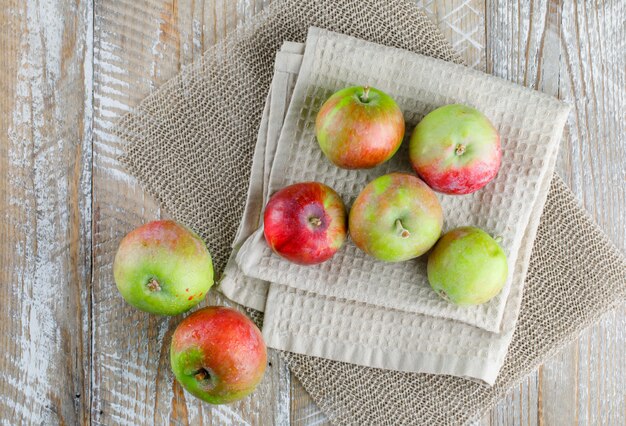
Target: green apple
{"type": "Point", "coordinates": [467, 266]}
{"type": "Point", "coordinates": [396, 217]}
{"type": "Point", "coordinates": [163, 268]}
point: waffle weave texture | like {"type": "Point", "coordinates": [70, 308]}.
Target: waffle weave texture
{"type": "Point", "coordinates": [530, 124]}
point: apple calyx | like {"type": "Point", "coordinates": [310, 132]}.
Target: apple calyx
{"type": "Point", "coordinates": [204, 378]}
{"type": "Point", "coordinates": [460, 149]}
{"type": "Point", "coordinates": [202, 375]}
{"type": "Point", "coordinates": [365, 97]}
{"type": "Point", "coordinates": [153, 285]}
{"type": "Point", "coordinates": [401, 230]}
{"type": "Point", "coordinates": [315, 221]}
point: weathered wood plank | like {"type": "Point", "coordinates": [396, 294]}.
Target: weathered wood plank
{"type": "Point", "coordinates": [463, 24]}
{"type": "Point", "coordinates": [138, 46]}
{"type": "Point", "coordinates": [572, 50]}
{"type": "Point", "coordinates": [45, 216]}
{"type": "Point", "coordinates": [593, 80]}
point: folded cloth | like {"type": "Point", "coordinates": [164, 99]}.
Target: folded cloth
{"type": "Point", "coordinates": [191, 144]}
{"type": "Point", "coordinates": [347, 330]}
{"type": "Point", "coordinates": [529, 122]}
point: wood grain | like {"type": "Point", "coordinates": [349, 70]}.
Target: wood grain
{"type": "Point", "coordinates": [45, 177]}
{"type": "Point", "coordinates": [575, 51]}
{"type": "Point", "coordinates": [75, 353]}
{"type": "Point", "coordinates": [463, 25]}
{"type": "Point", "coordinates": [139, 46]}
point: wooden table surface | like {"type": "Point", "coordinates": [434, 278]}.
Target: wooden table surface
{"type": "Point", "coordinates": [74, 353]}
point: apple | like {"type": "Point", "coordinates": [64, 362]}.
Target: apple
{"type": "Point", "coordinates": [218, 355]}
{"type": "Point", "coordinates": [163, 268]}
{"type": "Point", "coordinates": [467, 266]}
{"type": "Point", "coordinates": [305, 223]}
{"type": "Point", "coordinates": [359, 127]}
{"type": "Point", "coordinates": [455, 149]}
{"type": "Point", "coordinates": [396, 217]}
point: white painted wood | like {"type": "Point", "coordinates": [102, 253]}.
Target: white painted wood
{"type": "Point", "coordinates": [139, 46]}
{"type": "Point", "coordinates": [45, 216]}
{"type": "Point", "coordinates": [74, 351]}
{"type": "Point", "coordinates": [575, 51]}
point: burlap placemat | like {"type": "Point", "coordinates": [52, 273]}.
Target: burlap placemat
{"type": "Point", "coordinates": [191, 144]}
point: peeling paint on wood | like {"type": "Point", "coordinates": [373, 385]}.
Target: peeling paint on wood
{"type": "Point", "coordinates": [45, 178]}
{"type": "Point", "coordinates": [575, 51]}
{"type": "Point", "coordinates": [74, 353]}
{"type": "Point", "coordinates": [137, 50]}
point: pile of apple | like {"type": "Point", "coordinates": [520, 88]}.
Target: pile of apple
{"type": "Point", "coordinates": [217, 353]}
{"type": "Point", "coordinates": [454, 150]}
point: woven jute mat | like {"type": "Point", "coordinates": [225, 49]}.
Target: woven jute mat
{"type": "Point", "coordinates": [191, 143]}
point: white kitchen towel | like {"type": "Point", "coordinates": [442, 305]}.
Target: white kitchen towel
{"type": "Point", "coordinates": [359, 333]}
{"type": "Point", "coordinates": [248, 291]}
{"type": "Point", "coordinates": [529, 122]}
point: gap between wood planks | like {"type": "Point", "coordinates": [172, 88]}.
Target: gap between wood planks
{"type": "Point", "coordinates": [92, 62]}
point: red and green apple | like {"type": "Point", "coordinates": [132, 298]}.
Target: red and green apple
{"type": "Point", "coordinates": [455, 149]}
{"type": "Point", "coordinates": [396, 217]}
{"type": "Point", "coordinates": [467, 266]}
{"type": "Point", "coordinates": [359, 127]}
{"type": "Point", "coordinates": [163, 268]}
{"type": "Point", "coordinates": [305, 223]}
{"type": "Point", "coordinates": [218, 355]}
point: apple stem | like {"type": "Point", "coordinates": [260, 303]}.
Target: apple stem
{"type": "Point", "coordinates": [366, 94]}
{"type": "Point", "coordinates": [498, 239]}
{"type": "Point", "coordinates": [153, 285]}
{"type": "Point", "coordinates": [315, 221]}
{"type": "Point", "coordinates": [460, 149]}
{"type": "Point", "coordinates": [401, 230]}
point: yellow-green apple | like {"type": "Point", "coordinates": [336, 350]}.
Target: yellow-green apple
{"type": "Point", "coordinates": [163, 268]}
{"type": "Point", "coordinates": [305, 223]}
{"type": "Point", "coordinates": [396, 217]}
{"type": "Point", "coordinates": [455, 149]}
{"type": "Point", "coordinates": [467, 266]}
{"type": "Point", "coordinates": [359, 127]}
{"type": "Point", "coordinates": [218, 355]}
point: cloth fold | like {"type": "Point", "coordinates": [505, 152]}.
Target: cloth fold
{"type": "Point", "coordinates": [191, 144]}
{"type": "Point", "coordinates": [344, 329]}
{"type": "Point", "coordinates": [529, 122]}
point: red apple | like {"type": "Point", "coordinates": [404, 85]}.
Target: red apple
{"type": "Point", "coordinates": [218, 355]}
{"type": "Point", "coordinates": [455, 149]}
{"type": "Point", "coordinates": [396, 217]}
{"type": "Point", "coordinates": [359, 127]}
{"type": "Point", "coordinates": [305, 223]}
{"type": "Point", "coordinates": [163, 267]}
